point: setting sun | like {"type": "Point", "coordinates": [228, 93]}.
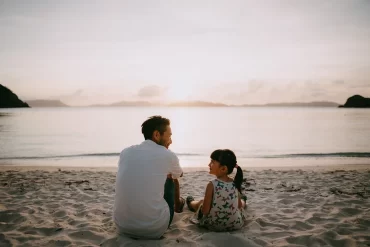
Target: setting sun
{"type": "Point", "coordinates": [179, 92]}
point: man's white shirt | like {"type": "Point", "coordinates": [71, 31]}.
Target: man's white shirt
{"type": "Point", "coordinates": [139, 208]}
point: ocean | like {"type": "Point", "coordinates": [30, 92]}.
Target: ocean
{"type": "Point", "coordinates": [260, 136]}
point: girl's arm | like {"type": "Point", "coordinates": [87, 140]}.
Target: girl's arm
{"type": "Point", "coordinates": [240, 204]}
{"type": "Point", "coordinates": [207, 202]}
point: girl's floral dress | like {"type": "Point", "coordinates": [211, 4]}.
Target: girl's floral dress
{"type": "Point", "coordinates": [224, 214]}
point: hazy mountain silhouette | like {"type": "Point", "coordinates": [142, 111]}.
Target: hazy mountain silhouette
{"type": "Point", "coordinates": [298, 104]}
{"type": "Point", "coordinates": [125, 103]}
{"type": "Point", "coordinates": [357, 101]}
{"type": "Point", "coordinates": [173, 104]}
{"type": "Point", "coordinates": [198, 103]}
{"type": "Point", "coordinates": [46, 103]}
{"type": "Point", "coordinates": [8, 99]}
{"type": "Point", "coordinates": [195, 104]}
{"type": "Point", "coordinates": [213, 104]}
{"type": "Point", "coordinates": [132, 103]}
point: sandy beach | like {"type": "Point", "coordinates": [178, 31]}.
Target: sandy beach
{"type": "Point", "coordinates": [50, 206]}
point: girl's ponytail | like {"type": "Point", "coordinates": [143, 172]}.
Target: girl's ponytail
{"type": "Point", "coordinates": [238, 179]}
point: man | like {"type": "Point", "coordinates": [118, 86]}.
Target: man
{"type": "Point", "coordinates": [146, 183]}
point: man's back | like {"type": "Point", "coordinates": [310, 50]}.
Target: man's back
{"type": "Point", "coordinates": [140, 209]}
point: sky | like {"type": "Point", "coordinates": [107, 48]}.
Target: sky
{"type": "Point", "coordinates": [232, 51]}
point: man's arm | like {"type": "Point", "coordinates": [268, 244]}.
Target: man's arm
{"type": "Point", "coordinates": [175, 169]}
{"type": "Point", "coordinates": [175, 166]}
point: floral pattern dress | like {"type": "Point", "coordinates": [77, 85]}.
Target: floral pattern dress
{"type": "Point", "coordinates": [224, 214]}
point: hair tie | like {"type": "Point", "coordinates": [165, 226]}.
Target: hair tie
{"type": "Point", "coordinates": [236, 166]}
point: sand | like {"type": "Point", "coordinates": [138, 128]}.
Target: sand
{"type": "Point", "coordinates": [44, 206]}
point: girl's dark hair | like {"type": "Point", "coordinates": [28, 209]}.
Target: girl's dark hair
{"type": "Point", "coordinates": [152, 124]}
{"type": "Point", "coordinates": [227, 158]}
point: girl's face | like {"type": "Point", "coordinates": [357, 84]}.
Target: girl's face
{"type": "Point", "coordinates": [215, 168]}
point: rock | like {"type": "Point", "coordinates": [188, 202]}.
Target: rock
{"type": "Point", "coordinates": [357, 101]}
{"type": "Point", "coordinates": [10, 100]}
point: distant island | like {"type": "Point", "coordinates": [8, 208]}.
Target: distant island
{"type": "Point", "coordinates": [131, 103]}
{"type": "Point", "coordinates": [46, 103]}
{"type": "Point", "coordinates": [215, 104]}
{"type": "Point", "coordinates": [124, 103]}
{"type": "Point", "coordinates": [298, 104]}
{"type": "Point", "coordinates": [157, 104]}
{"type": "Point", "coordinates": [57, 103]}
{"type": "Point", "coordinates": [8, 99]}
{"type": "Point", "coordinates": [173, 104]}
{"type": "Point", "coordinates": [357, 101]}
{"type": "Point", "coordinates": [195, 104]}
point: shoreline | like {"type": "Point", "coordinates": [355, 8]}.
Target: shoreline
{"type": "Point", "coordinates": [195, 164]}
{"type": "Point", "coordinates": [347, 167]}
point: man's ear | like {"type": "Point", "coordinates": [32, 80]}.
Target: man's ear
{"type": "Point", "coordinates": [156, 135]}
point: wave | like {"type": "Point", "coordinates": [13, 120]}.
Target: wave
{"type": "Point", "coordinates": [78, 156]}
{"type": "Point", "coordinates": [278, 156]}
{"type": "Point", "coordinates": [321, 155]}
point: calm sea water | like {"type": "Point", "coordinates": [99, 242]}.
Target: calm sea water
{"type": "Point", "coordinates": [259, 136]}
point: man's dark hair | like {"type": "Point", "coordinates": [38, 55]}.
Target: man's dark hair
{"type": "Point", "coordinates": [152, 124]}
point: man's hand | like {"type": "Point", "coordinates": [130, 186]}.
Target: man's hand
{"type": "Point", "coordinates": [170, 175]}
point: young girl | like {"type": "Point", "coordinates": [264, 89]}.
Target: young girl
{"type": "Point", "coordinates": [222, 207]}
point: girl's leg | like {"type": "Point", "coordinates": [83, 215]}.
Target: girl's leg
{"type": "Point", "coordinates": [192, 204]}
{"type": "Point", "coordinates": [195, 204]}
{"type": "Point", "coordinates": [243, 200]}
{"type": "Point", "coordinates": [244, 204]}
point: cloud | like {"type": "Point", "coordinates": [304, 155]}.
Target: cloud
{"type": "Point", "coordinates": [338, 82]}
{"type": "Point", "coordinates": [151, 91]}
{"type": "Point", "coordinates": [70, 96]}
{"type": "Point", "coordinates": [319, 93]}
{"type": "Point", "coordinates": [360, 85]}
{"type": "Point", "coordinates": [77, 93]}
{"type": "Point", "coordinates": [255, 85]}
{"type": "Point", "coordinates": [262, 92]}
{"type": "Point", "coordinates": [78, 97]}
{"type": "Point", "coordinates": [253, 92]}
